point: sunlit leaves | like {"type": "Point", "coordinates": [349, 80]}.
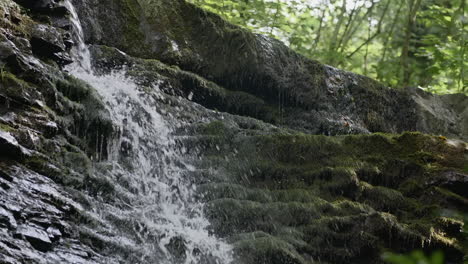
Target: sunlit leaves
{"type": "Point", "coordinates": [365, 36]}
{"type": "Point", "coordinates": [416, 257]}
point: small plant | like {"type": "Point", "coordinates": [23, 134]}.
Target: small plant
{"type": "Point", "coordinates": [416, 257]}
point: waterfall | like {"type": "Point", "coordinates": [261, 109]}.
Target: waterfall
{"type": "Point", "coordinates": [161, 219]}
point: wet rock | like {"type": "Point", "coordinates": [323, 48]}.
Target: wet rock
{"type": "Point", "coordinates": [279, 196]}
{"type": "Point", "coordinates": [49, 128]}
{"type": "Point", "coordinates": [177, 248]}
{"type": "Point", "coordinates": [37, 237]}
{"type": "Point", "coordinates": [47, 41]}
{"type": "Point", "coordinates": [9, 147]}
{"type": "Point", "coordinates": [7, 219]}
{"type": "Point", "coordinates": [63, 58]}
{"type": "Point", "coordinates": [54, 233]}
{"type": "Point", "coordinates": [23, 44]}
{"type": "Point", "coordinates": [7, 48]}
{"type": "Point", "coordinates": [22, 62]}
{"type": "Point", "coordinates": [456, 182]}
{"type": "Point", "coordinates": [6, 176]}
{"type": "Point", "coordinates": [28, 138]}
{"type": "Point", "coordinates": [50, 7]}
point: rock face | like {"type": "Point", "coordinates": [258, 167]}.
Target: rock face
{"type": "Point", "coordinates": [280, 147]}
{"type": "Point", "coordinates": [284, 87]}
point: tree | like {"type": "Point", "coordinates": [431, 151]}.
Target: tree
{"type": "Point", "coordinates": [401, 43]}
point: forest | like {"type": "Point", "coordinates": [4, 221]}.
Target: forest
{"type": "Point", "coordinates": [417, 43]}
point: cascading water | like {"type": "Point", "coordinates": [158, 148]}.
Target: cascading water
{"type": "Point", "coordinates": [154, 212]}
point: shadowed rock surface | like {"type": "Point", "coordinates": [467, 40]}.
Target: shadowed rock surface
{"type": "Point", "coordinates": [256, 120]}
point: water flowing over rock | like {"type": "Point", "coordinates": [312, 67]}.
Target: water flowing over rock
{"type": "Point", "coordinates": [154, 132]}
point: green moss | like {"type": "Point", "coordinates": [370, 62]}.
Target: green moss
{"type": "Point", "coordinates": [12, 84]}
{"type": "Point", "coordinates": [73, 88]}
{"type": "Point", "coordinates": [6, 128]}
{"type": "Point", "coordinates": [267, 249]}
{"type": "Point", "coordinates": [78, 161]}
{"type": "Point", "coordinates": [37, 162]}
{"type": "Point", "coordinates": [14, 11]}
{"type": "Point", "coordinates": [386, 199]}
{"type": "Point", "coordinates": [347, 198]}
{"type": "Point", "coordinates": [90, 122]}
{"type": "Point", "coordinates": [449, 197]}
{"type": "Point", "coordinates": [215, 128]}
{"type": "Point", "coordinates": [411, 187]}
{"type": "Point", "coordinates": [99, 186]}
{"type": "Point", "coordinates": [215, 191]}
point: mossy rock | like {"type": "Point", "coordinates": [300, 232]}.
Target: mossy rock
{"type": "Point", "coordinates": [271, 82]}
{"type": "Point", "coordinates": [344, 199]}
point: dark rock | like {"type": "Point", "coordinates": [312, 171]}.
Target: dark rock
{"type": "Point", "coordinates": [47, 42]}
{"type": "Point", "coordinates": [9, 147]}
{"type": "Point", "coordinates": [50, 128]}
{"type": "Point", "coordinates": [37, 237]}
{"type": "Point", "coordinates": [22, 63]}
{"type": "Point", "coordinates": [450, 226]}
{"type": "Point", "coordinates": [28, 138]}
{"type": "Point", "coordinates": [50, 7]}
{"type": "Point", "coordinates": [23, 44]}
{"type": "Point", "coordinates": [456, 182]}
{"type": "Point", "coordinates": [7, 47]}
{"type": "Point", "coordinates": [6, 176]}
{"type": "Point", "coordinates": [6, 50]}
{"type": "Point", "coordinates": [63, 23]}
{"type": "Point", "coordinates": [7, 219]}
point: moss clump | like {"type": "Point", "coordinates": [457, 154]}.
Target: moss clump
{"type": "Point", "coordinates": [263, 248]}
{"type": "Point", "coordinates": [73, 88]}
{"type": "Point", "coordinates": [99, 186]}
{"type": "Point", "coordinates": [13, 19]}
{"type": "Point", "coordinates": [15, 89]}
{"type": "Point", "coordinates": [215, 128]}
{"type": "Point", "coordinates": [6, 128]}
{"type": "Point", "coordinates": [85, 116]}
{"type": "Point", "coordinates": [386, 199]}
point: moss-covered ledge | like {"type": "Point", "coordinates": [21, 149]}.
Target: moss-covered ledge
{"type": "Point", "coordinates": [297, 198]}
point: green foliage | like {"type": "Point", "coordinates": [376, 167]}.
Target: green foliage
{"type": "Point", "coordinates": [401, 43]}
{"type": "Point", "coordinates": [417, 257]}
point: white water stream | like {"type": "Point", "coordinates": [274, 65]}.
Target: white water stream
{"type": "Point", "coordinates": [146, 165]}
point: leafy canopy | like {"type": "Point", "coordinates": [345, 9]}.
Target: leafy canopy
{"type": "Point", "coordinates": [400, 43]}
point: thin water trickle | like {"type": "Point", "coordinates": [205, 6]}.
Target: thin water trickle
{"type": "Point", "coordinates": [162, 221]}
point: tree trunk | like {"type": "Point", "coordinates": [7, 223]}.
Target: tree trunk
{"type": "Point", "coordinates": [413, 7]}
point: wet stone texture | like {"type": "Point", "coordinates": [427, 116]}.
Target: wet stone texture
{"type": "Point", "coordinates": [256, 121]}
{"type": "Point", "coordinates": [36, 220]}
